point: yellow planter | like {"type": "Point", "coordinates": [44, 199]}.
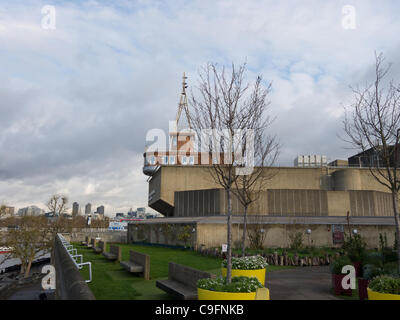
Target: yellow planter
{"type": "Point", "coordinates": [217, 295]}
{"type": "Point", "coordinates": [258, 273]}
{"type": "Point", "coordinates": [373, 295]}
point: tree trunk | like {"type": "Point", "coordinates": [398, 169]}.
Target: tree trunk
{"type": "Point", "coordinates": [244, 232]}
{"type": "Point", "coordinates": [229, 239]}
{"type": "Point", "coordinates": [28, 268]}
{"type": "Point", "coordinates": [396, 220]}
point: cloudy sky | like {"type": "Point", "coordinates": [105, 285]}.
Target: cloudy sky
{"type": "Point", "coordinates": [79, 93]}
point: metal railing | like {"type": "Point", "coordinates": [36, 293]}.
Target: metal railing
{"type": "Point", "coordinates": [73, 253]}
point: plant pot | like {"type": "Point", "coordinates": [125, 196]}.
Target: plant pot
{"type": "Point", "coordinates": [362, 288]}
{"type": "Point", "coordinates": [337, 285]}
{"type": "Point", "coordinates": [373, 295]}
{"type": "Point", "coordinates": [358, 267]}
{"type": "Point", "coordinates": [258, 273]}
{"type": "Point", "coordinates": [203, 294]}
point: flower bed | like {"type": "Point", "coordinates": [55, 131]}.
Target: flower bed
{"type": "Point", "coordinates": [384, 288]}
{"type": "Point", "coordinates": [247, 267]}
{"type": "Point", "coordinates": [241, 288]}
{"type": "Point", "coordinates": [247, 263]}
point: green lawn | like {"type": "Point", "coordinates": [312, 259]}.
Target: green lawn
{"type": "Point", "coordinates": [111, 282]}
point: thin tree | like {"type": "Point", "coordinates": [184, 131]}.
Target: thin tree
{"type": "Point", "coordinates": [265, 150]}
{"type": "Point", "coordinates": [57, 204]}
{"type": "Point", "coordinates": [372, 124]}
{"type": "Point", "coordinates": [220, 115]}
{"type": "Point", "coordinates": [2, 210]}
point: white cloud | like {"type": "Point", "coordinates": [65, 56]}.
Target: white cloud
{"type": "Point", "coordinates": [76, 102]}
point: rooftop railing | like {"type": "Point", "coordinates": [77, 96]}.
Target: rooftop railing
{"type": "Point", "coordinates": [73, 253]}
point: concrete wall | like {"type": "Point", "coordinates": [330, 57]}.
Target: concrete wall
{"type": "Point", "coordinates": [70, 285]}
{"type": "Point", "coordinates": [286, 202]}
{"type": "Point", "coordinates": [171, 179]}
{"type": "Point", "coordinates": [109, 236]}
{"type": "Point", "coordinates": [277, 235]}
{"type": "Point", "coordinates": [211, 231]}
{"type": "Point", "coordinates": [162, 233]}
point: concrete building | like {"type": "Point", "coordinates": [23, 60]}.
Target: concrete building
{"type": "Point", "coordinates": [100, 210]}
{"type": "Point", "coordinates": [296, 198]}
{"type": "Point", "coordinates": [8, 212]}
{"type": "Point", "coordinates": [88, 208]}
{"type": "Point", "coordinates": [373, 158]}
{"type": "Point", "coordinates": [75, 209]}
{"type": "Point", "coordinates": [30, 211]}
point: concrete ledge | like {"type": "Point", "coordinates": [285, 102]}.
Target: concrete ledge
{"type": "Point", "coordinates": [70, 284]}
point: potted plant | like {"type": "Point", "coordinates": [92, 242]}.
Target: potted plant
{"type": "Point", "coordinates": [241, 288]}
{"type": "Point", "coordinates": [384, 288]}
{"type": "Point", "coordinates": [252, 266]}
{"type": "Point", "coordinates": [355, 248]}
{"type": "Point", "coordinates": [337, 276]}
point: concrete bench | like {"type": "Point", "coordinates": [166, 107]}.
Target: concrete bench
{"type": "Point", "coordinates": [93, 243]}
{"type": "Point", "coordinates": [114, 254]}
{"type": "Point", "coordinates": [85, 243]}
{"type": "Point", "coordinates": [182, 281]}
{"type": "Point", "coordinates": [138, 263]}
{"type": "Point", "coordinates": [101, 248]}
{"type": "Point", "coordinates": [89, 243]}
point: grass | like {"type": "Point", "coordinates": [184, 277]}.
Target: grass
{"type": "Point", "coordinates": [111, 282]}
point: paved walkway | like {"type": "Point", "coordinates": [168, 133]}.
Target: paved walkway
{"type": "Point", "coordinates": [307, 283]}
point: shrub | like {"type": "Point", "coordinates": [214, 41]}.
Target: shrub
{"type": "Point", "coordinates": [385, 284]}
{"type": "Point", "coordinates": [247, 263]}
{"type": "Point", "coordinates": [337, 265]}
{"type": "Point", "coordinates": [371, 271]}
{"type": "Point", "coordinates": [296, 240]}
{"type": "Point", "coordinates": [355, 248]}
{"type": "Point", "coordinates": [374, 258]}
{"type": "Point", "coordinates": [238, 284]}
{"type": "Point", "coordinates": [389, 255]}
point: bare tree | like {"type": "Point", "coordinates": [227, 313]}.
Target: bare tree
{"type": "Point", "coordinates": [28, 240]}
{"type": "Point", "coordinates": [373, 124]}
{"type": "Point", "coordinates": [265, 150]}
{"type": "Point", "coordinates": [221, 114]}
{"type": "Point", "coordinates": [58, 204]}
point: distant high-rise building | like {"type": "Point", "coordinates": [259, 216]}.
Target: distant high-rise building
{"type": "Point", "coordinates": [141, 212]}
{"type": "Point", "coordinates": [88, 208]}
{"type": "Point", "coordinates": [75, 208]}
{"type": "Point", "coordinates": [30, 211]}
{"type": "Point", "coordinates": [8, 212]}
{"type": "Point", "coordinates": [100, 210]}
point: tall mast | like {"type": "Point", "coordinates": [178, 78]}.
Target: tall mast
{"type": "Point", "coordinates": [183, 104]}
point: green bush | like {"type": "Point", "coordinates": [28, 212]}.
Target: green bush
{"type": "Point", "coordinates": [385, 284]}
{"type": "Point", "coordinates": [355, 248]}
{"type": "Point", "coordinates": [238, 284]}
{"type": "Point", "coordinates": [374, 258]}
{"type": "Point", "coordinates": [371, 271]}
{"type": "Point", "coordinates": [247, 263]}
{"type": "Point", "coordinates": [296, 240]}
{"type": "Point", "coordinates": [389, 255]}
{"type": "Point", "coordinates": [337, 265]}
